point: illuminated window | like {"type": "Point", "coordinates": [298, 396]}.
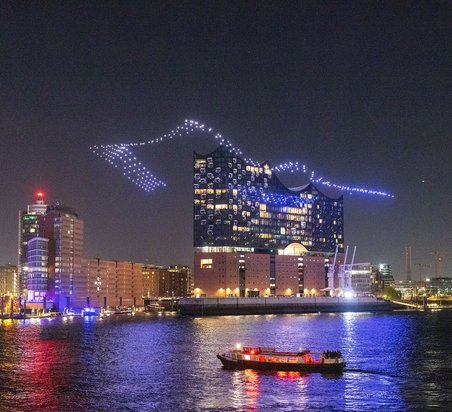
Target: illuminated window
{"type": "Point", "coordinates": [206, 263]}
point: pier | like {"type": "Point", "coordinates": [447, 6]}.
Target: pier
{"type": "Point", "coordinates": [278, 305]}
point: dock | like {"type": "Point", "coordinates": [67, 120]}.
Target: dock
{"type": "Point", "coordinates": [279, 305]}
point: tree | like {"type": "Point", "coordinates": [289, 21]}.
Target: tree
{"type": "Point", "coordinates": [390, 293]}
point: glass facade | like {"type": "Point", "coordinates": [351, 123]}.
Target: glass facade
{"type": "Point", "coordinates": [29, 221]}
{"type": "Point", "coordinates": [240, 205]}
{"type": "Point", "coordinates": [37, 277]}
{"type": "Point", "coordinates": [28, 229]}
{"type": "Point", "coordinates": [62, 225]}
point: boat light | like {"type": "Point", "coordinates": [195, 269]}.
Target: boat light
{"type": "Point", "coordinates": [348, 294]}
{"type": "Point", "coordinates": [238, 346]}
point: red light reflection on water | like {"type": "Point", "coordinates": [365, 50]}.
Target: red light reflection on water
{"type": "Point", "coordinates": [45, 373]}
{"type": "Point", "coordinates": [251, 388]}
{"type": "Point", "coordinates": [252, 383]}
{"type": "Point", "coordinates": [290, 376]}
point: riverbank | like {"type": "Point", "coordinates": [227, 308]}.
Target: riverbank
{"type": "Point", "coordinates": [279, 305]}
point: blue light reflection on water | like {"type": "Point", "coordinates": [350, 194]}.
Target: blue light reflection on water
{"type": "Point", "coordinates": [395, 361]}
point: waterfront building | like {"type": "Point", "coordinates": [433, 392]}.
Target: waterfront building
{"type": "Point", "coordinates": [178, 282]}
{"type": "Point", "coordinates": [65, 231]}
{"type": "Point", "coordinates": [438, 286]}
{"type": "Point", "coordinates": [38, 283]}
{"type": "Point", "coordinates": [50, 253]}
{"type": "Point", "coordinates": [28, 228]}
{"type": "Point", "coordinates": [247, 274]}
{"type": "Point", "coordinates": [361, 279]}
{"type": "Point", "coordinates": [253, 236]}
{"type": "Point", "coordinates": [151, 280]}
{"type": "Point", "coordinates": [110, 284]}
{"type": "Point", "coordinates": [240, 205]}
{"type": "Point", "coordinates": [167, 281]}
{"type": "Point", "coordinates": [8, 279]}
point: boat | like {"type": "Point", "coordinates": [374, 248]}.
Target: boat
{"type": "Point", "coordinates": [154, 307]}
{"type": "Point", "coordinates": [89, 312]}
{"type": "Point", "coordinates": [123, 311]}
{"type": "Point", "coordinates": [261, 358]}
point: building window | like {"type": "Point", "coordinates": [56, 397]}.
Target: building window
{"type": "Point", "coordinates": [206, 264]}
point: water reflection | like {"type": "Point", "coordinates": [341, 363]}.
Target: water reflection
{"type": "Point", "coordinates": [251, 386]}
{"type": "Point", "coordinates": [394, 362]}
{"type": "Point", "coordinates": [39, 370]}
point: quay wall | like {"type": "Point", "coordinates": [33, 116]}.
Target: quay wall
{"type": "Point", "coordinates": [276, 305]}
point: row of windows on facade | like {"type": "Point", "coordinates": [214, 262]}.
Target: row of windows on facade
{"type": "Point", "coordinates": [237, 201]}
{"type": "Point", "coordinates": [303, 199]}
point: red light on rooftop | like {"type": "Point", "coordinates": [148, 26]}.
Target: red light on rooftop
{"type": "Point", "coordinates": [39, 195]}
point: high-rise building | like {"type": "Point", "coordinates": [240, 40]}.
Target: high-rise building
{"type": "Point", "coordinates": [253, 236]}
{"type": "Point", "coordinates": [239, 205]}
{"type": "Point", "coordinates": [65, 231]}
{"type": "Point", "coordinates": [50, 253]}
{"type": "Point", "coordinates": [38, 269]}
{"type": "Point", "coordinates": [28, 228]}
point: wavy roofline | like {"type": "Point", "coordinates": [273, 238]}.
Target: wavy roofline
{"type": "Point", "coordinates": [296, 190]}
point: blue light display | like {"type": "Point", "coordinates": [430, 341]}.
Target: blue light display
{"type": "Point", "coordinates": [122, 156]}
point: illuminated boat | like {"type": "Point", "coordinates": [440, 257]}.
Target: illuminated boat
{"type": "Point", "coordinates": [261, 358]}
{"type": "Point", "coordinates": [123, 311]}
{"type": "Point", "coordinates": [89, 312]}
{"type": "Point", "coordinates": [154, 307]}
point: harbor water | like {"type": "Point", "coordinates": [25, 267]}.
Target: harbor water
{"type": "Point", "coordinates": [396, 361]}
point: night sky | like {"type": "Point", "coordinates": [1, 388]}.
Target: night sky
{"type": "Point", "coordinates": [359, 91]}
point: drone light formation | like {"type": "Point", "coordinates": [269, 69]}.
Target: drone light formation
{"type": "Point", "coordinates": [122, 156]}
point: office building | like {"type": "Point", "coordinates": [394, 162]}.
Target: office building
{"type": "Point", "coordinates": [362, 279]}
{"type": "Point", "coordinates": [28, 229]}
{"type": "Point", "coordinates": [65, 231]}
{"type": "Point", "coordinates": [50, 253]}
{"type": "Point", "coordinates": [38, 284]}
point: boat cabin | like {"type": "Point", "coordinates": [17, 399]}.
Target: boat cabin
{"type": "Point", "coordinates": [267, 354]}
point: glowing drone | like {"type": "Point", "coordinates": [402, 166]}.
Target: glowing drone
{"type": "Point", "coordinates": [122, 156]}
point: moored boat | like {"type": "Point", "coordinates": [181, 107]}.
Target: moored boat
{"type": "Point", "coordinates": [154, 307]}
{"type": "Point", "coordinates": [123, 311]}
{"type": "Point", "coordinates": [261, 358]}
{"type": "Point", "coordinates": [89, 312]}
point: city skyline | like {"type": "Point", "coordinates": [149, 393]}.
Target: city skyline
{"type": "Point", "coordinates": [356, 91]}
